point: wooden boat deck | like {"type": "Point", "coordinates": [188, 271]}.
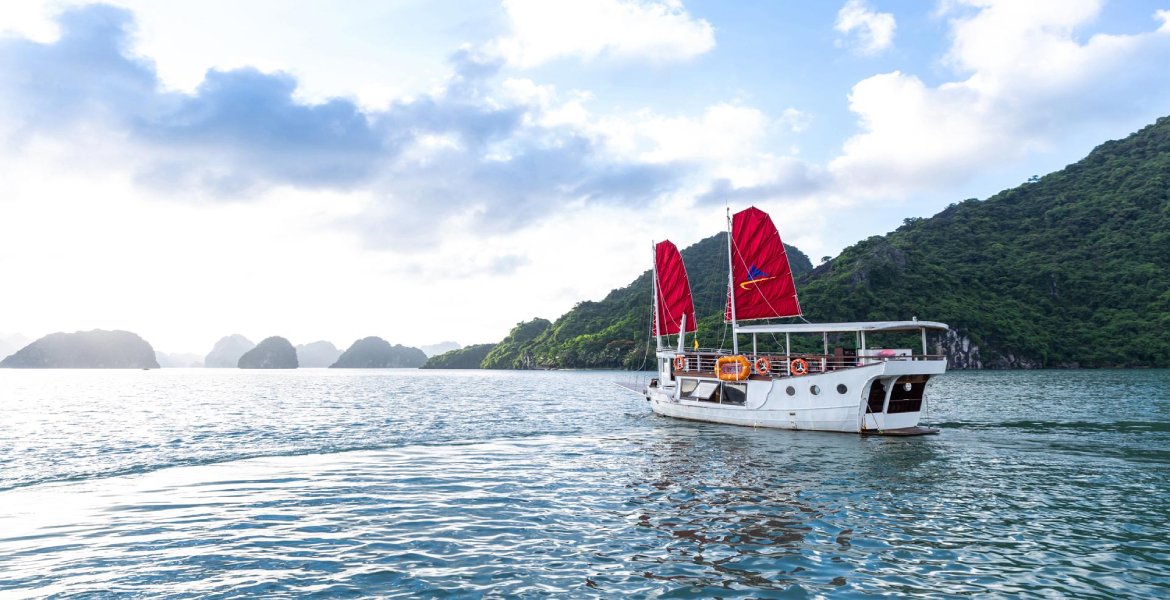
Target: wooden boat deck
{"type": "Point", "coordinates": [903, 432]}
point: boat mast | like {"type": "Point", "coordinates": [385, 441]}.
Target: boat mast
{"type": "Point", "coordinates": [731, 288]}
{"type": "Point", "coordinates": [654, 297]}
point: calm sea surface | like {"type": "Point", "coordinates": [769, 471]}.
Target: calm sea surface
{"type": "Point", "coordinates": [463, 484]}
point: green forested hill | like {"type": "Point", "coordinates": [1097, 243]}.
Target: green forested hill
{"type": "Point", "coordinates": [1072, 269]}
{"type": "Point", "coordinates": [1069, 270]}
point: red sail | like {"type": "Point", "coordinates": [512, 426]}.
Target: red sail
{"type": "Point", "coordinates": [762, 279]}
{"type": "Point", "coordinates": [674, 290]}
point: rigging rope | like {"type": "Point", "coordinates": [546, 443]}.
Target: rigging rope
{"type": "Point", "coordinates": [649, 334]}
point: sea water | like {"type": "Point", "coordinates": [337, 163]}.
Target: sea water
{"type": "Point", "coordinates": [207, 482]}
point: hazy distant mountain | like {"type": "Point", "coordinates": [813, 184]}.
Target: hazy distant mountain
{"type": "Point", "coordinates": [317, 354]}
{"type": "Point", "coordinates": [377, 353]}
{"type": "Point", "coordinates": [95, 349]}
{"type": "Point", "coordinates": [227, 352]}
{"type": "Point", "coordinates": [272, 353]}
{"type": "Point", "coordinates": [11, 342]}
{"type": "Point", "coordinates": [440, 348]}
{"type": "Point", "coordinates": [178, 360]}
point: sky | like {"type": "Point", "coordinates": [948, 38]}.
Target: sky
{"type": "Point", "coordinates": [441, 170]}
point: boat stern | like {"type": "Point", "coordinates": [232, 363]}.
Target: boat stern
{"type": "Point", "coordinates": [896, 399]}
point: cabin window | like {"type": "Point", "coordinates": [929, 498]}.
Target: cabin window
{"type": "Point", "coordinates": [791, 391]}
{"type": "Point", "coordinates": [816, 389]}
{"type": "Point", "coordinates": [841, 389]}
{"type": "Point", "coordinates": [686, 386]}
{"type": "Point", "coordinates": [734, 393]}
{"type": "Point", "coordinates": [705, 391]}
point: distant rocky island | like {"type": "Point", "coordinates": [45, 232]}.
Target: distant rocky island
{"type": "Point", "coordinates": [377, 353]}
{"type": "Point", "coordinates": [178, 360]}
{"type": "Point", "coordinates": [227, 352]}
{"type": "Point", "coordinates": [10, 343]}
{"type": "Point", "coordinates": [271, 353]}
{"type": "Point", "coordinates": [317, 354]}
{"type": "Point", "coordinates": [437, 349]}
{"type": "Point", "coordinates": [95, 349]}
{"type": "Point", "coordinates": [123, 349]}
{"type": "Point", "coordinates": [464, 358]}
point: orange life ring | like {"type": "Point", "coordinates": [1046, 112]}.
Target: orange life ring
{"type": "Point", "coordinates": [763, 365]}
{"type": "Point", "coordinates": [680, 363]}
{"type": "Point", "coordinates": [732, 368]}
{"type": "Point", "coordinates": [799, 367]}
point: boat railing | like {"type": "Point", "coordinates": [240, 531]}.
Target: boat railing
{"type": "Point", "coordinates": [782, 365]}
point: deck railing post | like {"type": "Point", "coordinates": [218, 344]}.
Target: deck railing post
{"type": "Point", "coordinates": [788, 352]}
{"type": "Point", "coordinates": [825, 356]}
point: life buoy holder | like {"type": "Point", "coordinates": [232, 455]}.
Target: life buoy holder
{"type": "Point", "coordinates": [732, 368]}
{"type": "Point", "coordinates": [763, 365]}
{"type": "Point", "coordinates": [799, 367]}
{"type": "Point", "coordinates": [680, 363]}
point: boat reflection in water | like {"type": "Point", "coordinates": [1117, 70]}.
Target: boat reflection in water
{"type": "Point", "coordinates": [732, 507]}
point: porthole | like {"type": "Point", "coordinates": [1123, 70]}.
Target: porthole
{"type": "Point", "coordinates": [791, 391]}
{"type": "Point", "coordinates": [841, 389]}
{"type": "Point", "coordinates": [816, 389]}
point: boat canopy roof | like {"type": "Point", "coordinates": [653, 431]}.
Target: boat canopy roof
{"type": "Point", "coordinates": [843, 327]}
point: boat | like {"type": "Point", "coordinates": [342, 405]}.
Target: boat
{"type": "Point", "coordinates": [857, 389]}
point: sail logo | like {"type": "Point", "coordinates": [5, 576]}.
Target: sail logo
{"type": "Point", "coordinates": [755, 275]}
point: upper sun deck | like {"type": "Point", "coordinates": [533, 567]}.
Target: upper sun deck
{"type": "Point", "coordinates": [857, 327]}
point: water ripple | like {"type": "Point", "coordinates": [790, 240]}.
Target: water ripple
{"type": "Point", "coordinates": [554, 484]}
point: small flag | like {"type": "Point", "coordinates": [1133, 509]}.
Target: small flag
{"type": "Point", "coordinates": [696, 343]}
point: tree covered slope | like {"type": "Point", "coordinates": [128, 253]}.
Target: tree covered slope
{"type": "Point", "coordinates": [1069, 270]}
{"type": "Point", "coordinates": [469, 357]}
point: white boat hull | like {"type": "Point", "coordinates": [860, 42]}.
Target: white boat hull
{"type": "Point", "coordinates": [842, 402]}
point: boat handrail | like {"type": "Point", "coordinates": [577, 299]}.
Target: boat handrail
{"type": "Point", "coordinates": [700, 361]}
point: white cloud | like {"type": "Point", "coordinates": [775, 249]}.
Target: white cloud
{"type": "Point", "coordinates": [724, 133]}
{"type": "Point", "coordinates": [546, 30]}
{"type": "Point", "coordinates": [874, 31]}
{"type": "Point", "coordinates": [1028, 81]}
{"type": "Point", "coordinates": [796, 120]}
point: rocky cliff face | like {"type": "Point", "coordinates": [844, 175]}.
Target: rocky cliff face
{"type": "Point", "coordinates": [317, 355]}
{"type": "Point", "coordinates": [227, 352]}
{"type": "Point", "coordinates": [962, 353]}
{"type": "Point", "coordinates": [377, 353]}
{"type": "Point", "coordinates": [272, 353]}
{"type": "Point", "coordinates": [95, 349]}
